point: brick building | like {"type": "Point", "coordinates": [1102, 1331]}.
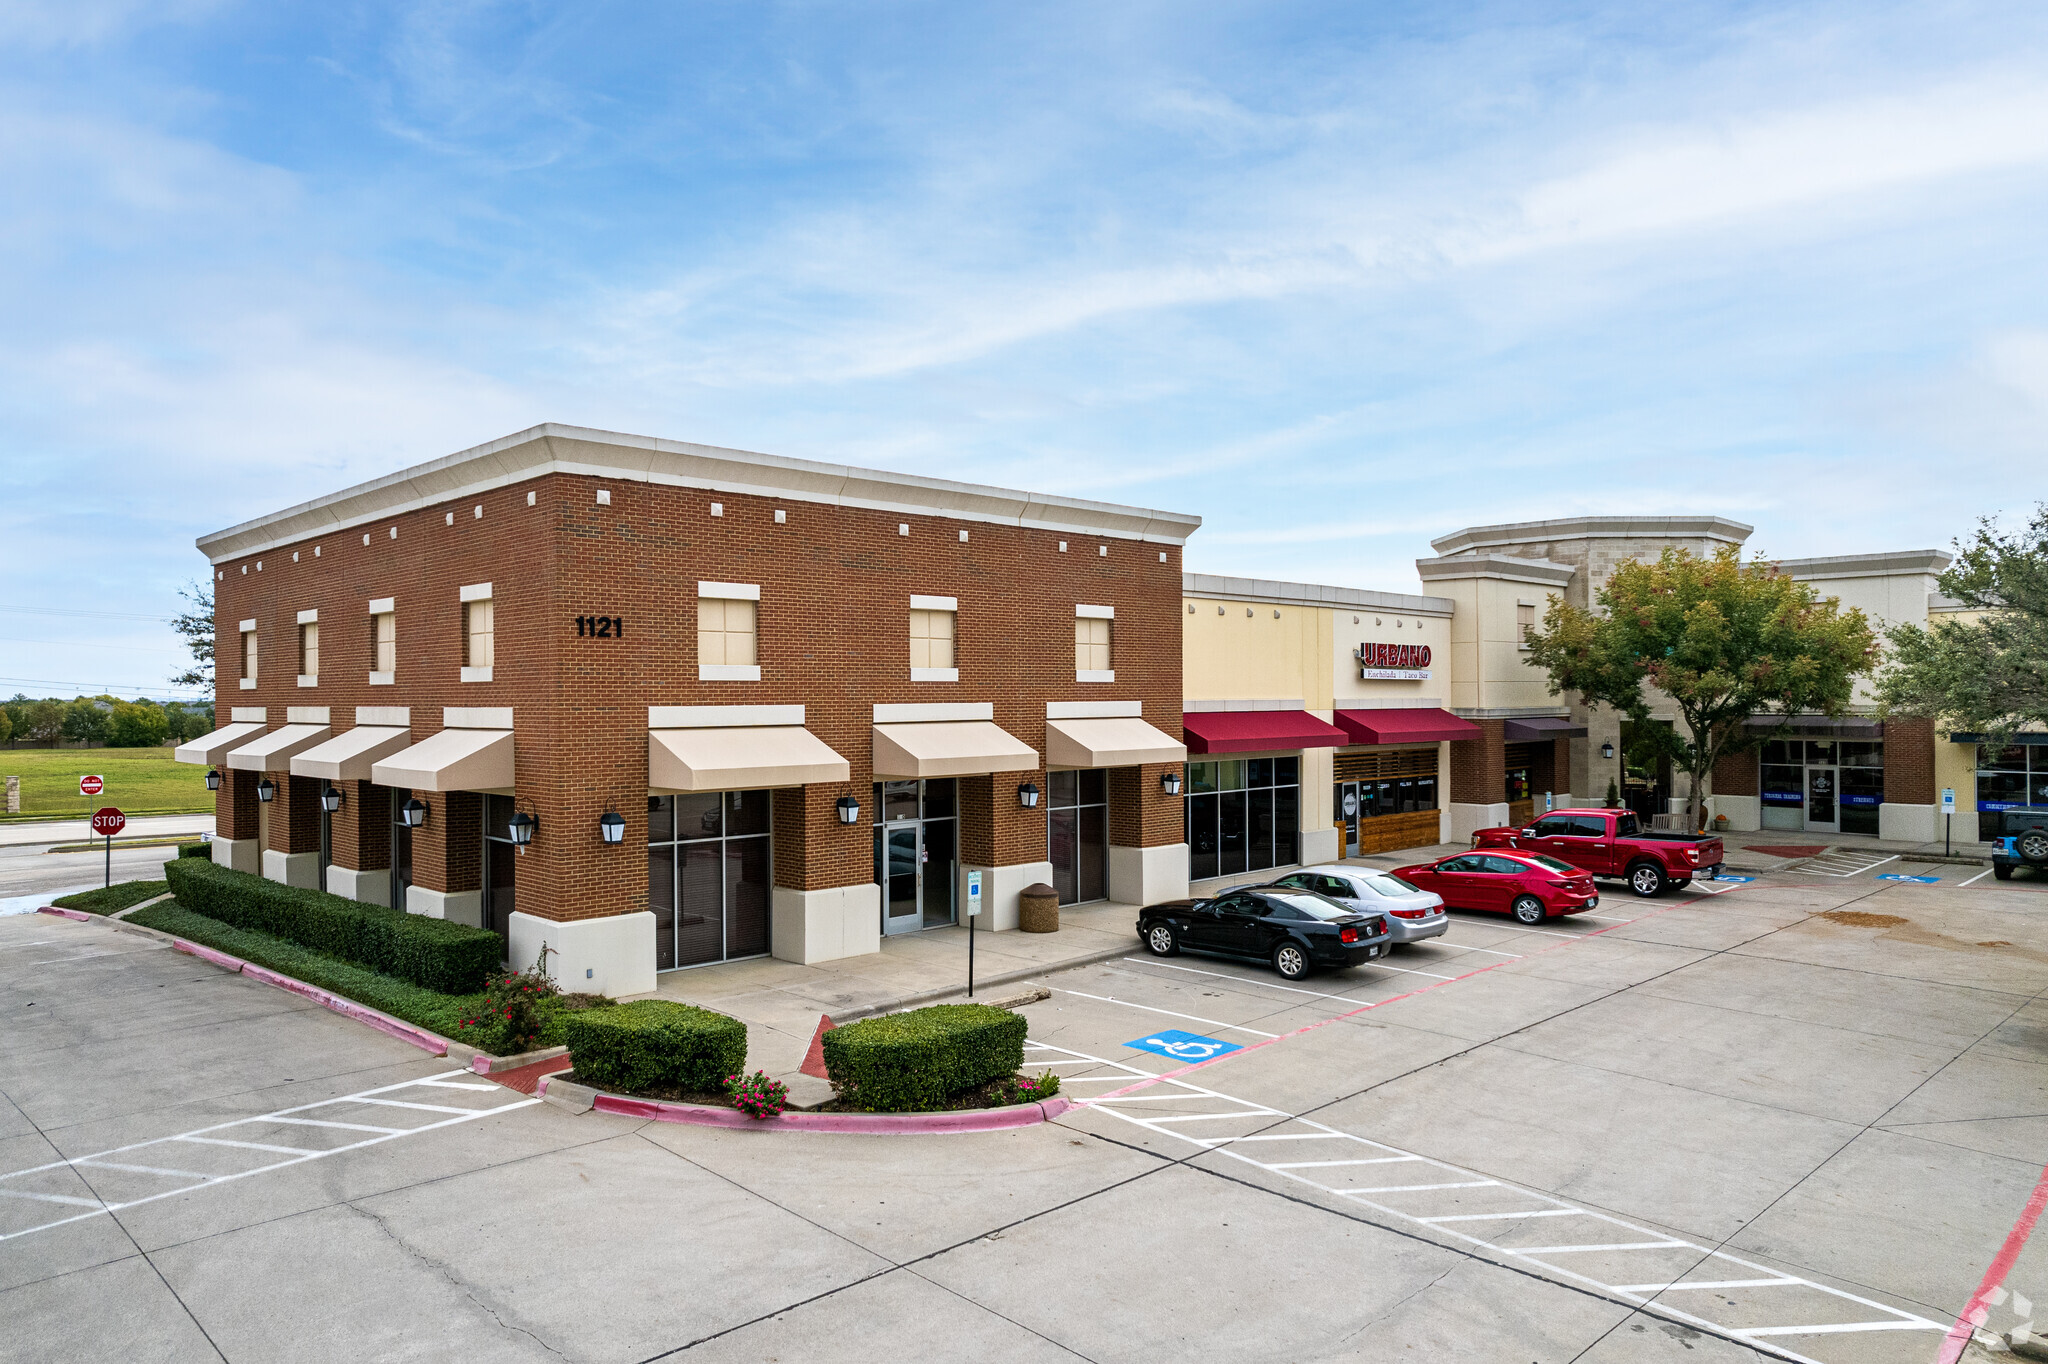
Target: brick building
{"type": "Point", "coordinates": [809, 701]}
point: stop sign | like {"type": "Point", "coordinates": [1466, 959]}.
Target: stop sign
{"type": "Point", "coordinates": [108, 821]}
{"type": "Point", "coordinates": [91, 786]}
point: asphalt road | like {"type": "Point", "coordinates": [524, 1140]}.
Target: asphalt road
{"type": "Point", "coordinates": [1719, 1125]}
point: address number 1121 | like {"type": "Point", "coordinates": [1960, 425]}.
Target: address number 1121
{"type": "Point", "coordinates": [600, 627]}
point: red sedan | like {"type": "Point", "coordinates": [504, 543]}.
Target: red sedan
{"type": "Point", "coordinates": [1530, 886]}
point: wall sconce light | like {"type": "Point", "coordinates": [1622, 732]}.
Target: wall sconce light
{"type": "Point", "coordinates": [1169, 782]}
{"type": "Point", "coordinates": [212, 779]}
{"type": "Point", "coordinates": [330, 799]}
{"type": "Point", "coordinates": [612, 827]}
{"type": "Point", "coordinates": [265, 790]}
{"type": "Point", "coordinates": [1027, 796]}
{"type": "Point", "coordinates": [1607, 752]}
{"type": "Point", "coordinates": [413, 813]}
{"type": "Point", "coordinates": [521, 827]}
{"type": "Point", "coordinates": [849, 810]}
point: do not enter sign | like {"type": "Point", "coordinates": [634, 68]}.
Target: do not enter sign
{"type": "Point", "coordinates": [108, 821]}
{"type": "Point", "coordinates": [91, 786]}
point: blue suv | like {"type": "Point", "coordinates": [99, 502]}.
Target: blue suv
{"type": "Point", "coordinates": [2022, 841]}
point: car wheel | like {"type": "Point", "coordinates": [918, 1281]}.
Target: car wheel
{"type": "Point", "coordinates": [2033, 845]}
{"type": "Point", "coordinates": [2002, 873]}
{"type": "Point", "coordinates": [1646, 879]}
{"type": "Point", "coordinates": [1290, 959]}
{"type": "Point", "coordinates": [1161, 941]}
{"type": "Point", "coordinates": [1529, 910]}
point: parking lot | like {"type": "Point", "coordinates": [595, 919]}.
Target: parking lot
{"type": "Point", "coordinates": [1792, 1117]}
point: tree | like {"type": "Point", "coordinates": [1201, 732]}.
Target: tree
{"type": "Point", "coordinates": [1724, 640]}
{"type": "Point", "coordinates": [6, 725]}
{"type": "Point", "coordinates": [137, 724]}
{"type": "Point", "coordinates": [196, 626]}
{"type": "Point", "coordinates": [1988, 674]}
{"type": "Point", "coordinates": [87, 720]}
{"type": "Point", "coordinates": [45, 722]}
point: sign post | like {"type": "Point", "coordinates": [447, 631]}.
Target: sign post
{"type": "Point", "coordinates": [1948, 811]}
{"type": "Point", "coordinates": [973, 913]}
{"type": "Point", "coordinates": [108, 821]}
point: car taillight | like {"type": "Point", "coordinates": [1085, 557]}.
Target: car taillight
{"type": "Point", "coordinates": [1411, 913]}
{"type": "Point", "coordinates": [1347, 934]}
{"type": "Point", "coordinates": [1693, 853]}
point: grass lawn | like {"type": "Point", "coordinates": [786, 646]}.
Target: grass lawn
{"type": "Point", "coordinates": [140, 781]}
{"type": "Point", "coordinates": [108, 899]}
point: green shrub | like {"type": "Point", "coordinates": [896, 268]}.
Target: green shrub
{"type": "Point", "coordinates": [204, 850]}
{"type": "Point", "coordinates": [915, 1061]}
{"type": "Point", "coordinates": [108, 899]}
{"type": "Point", "coordinates": [449, 958]}
{"type": "Point", "coordinates": [655, 1044]}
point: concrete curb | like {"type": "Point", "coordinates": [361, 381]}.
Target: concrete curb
{"type": "Point", "coordinates": [483, 1063]}
{"type": "Point", "coordinates": [868, 1124]}
{"type": "Point", "coordinates": [77, 914]}
{"type": "Point", "coordinates": [911, 1001]}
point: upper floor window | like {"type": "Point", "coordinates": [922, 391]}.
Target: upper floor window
{"type": "Point", "coordinates": [248, 655]}
{"type": "Point", "coordinates": [309, 648]}
{"type": "Point", "coordinates": [1094, 643]}
{"type": "Point", "coordinates": [728, 640]}
{"type": "Point", "coordinates": [932, 632]}
{"type": "Point", "coordinates": [383, 642]}
{"type": "Point", "coordinates": [1525, 621]}
{"type": "Point", "coordinates": [479, 632]}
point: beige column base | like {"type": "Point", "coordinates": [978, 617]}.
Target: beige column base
{"type": "Point", "coordinates": [825, 925]}
{"type": "Point", "coordinates": [1319, 845]}
{"type": "Point", "coordinates": [1914, 823]}
{"type": "Point", "coordinates": [609, 956]}
{"type": "Point", "coordinates": [368, 887]}
{"type": "Point", "coordinates": [461, 906]}
{"type": "Point", "coordinates": [293, 869]}
{"type": "Point", "coordinates": [1745, 813]}
{"type": "Point", "coordinates": [238, 854]}
{"type": "Point", "coordinates": [1469, 819]}
{"type": "Point", "coordinates": [1000, 887]}
{"type": "Point", "coordinates": [1148, 876]}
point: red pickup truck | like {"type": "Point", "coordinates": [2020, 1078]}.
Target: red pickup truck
{"type": "Point", "coordinates": [1613, 843]}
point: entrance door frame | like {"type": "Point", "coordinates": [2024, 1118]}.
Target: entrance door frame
{"type": "Point", "coordinates": [1834, 795]}
{"type": "Point", "coordinates": [914, 825]}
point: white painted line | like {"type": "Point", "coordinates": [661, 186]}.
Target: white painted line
{"type": "Point", "coordinates": [344, 1126]}
{"type": "Point", "coordinates": [1286, 1136]}
{"type": "Point", "coordinates": [1204, 1117]}
{"type": "Point", "coordinates": [33, 942]}
{"type": "Point", "coordinates": [424, 1108]}
{"type": "Point", "coordinates": [1407, 971]}
{"type": "Point", "coordinates": [1602, 918]}
{"type": "Point", "coordinates": [248, 1145]}
{"type": "Point", "coordinates": [50, 1198]}
{"type": "Point", "coordinates": [1506, 1216]}
{"type": "Point", "coordinates": [1705, 1283]}
{"type": "Point", "coordinates": [141, 1169]}
{"type": "Point", "coordinates": [1249, 980]}
{"type": "Point", "coordinates": [1978, 877]}
{"type": "Point", "coordinates": [1325, 1164]}
{"type": "Point", "coordinates": [455, 1084]}
{"type": "Point", "coordinates": [1576, 1250]}
{"type": "Point", "coordinates": [1209, 1022]}
{"type": "Point", "coordinates": [1440, 942]}
{"type": "Point", "coordinates": [1828, 1330]}
{"type": "Point", "coordinates": [1418, 1188]}
{"type": "Point", "coordinates": [1546, 932]}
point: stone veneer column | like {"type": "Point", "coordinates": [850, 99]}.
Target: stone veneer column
{"type": "Point", "coordinates": [236, 821]}
{"type": "Point", "coordinates": [447, 858]}
{"type": "Point", "coordinates": [1148, 851]}
{"type": "Point", "coordinates": [1912, 802]}
{"type": "Point", "coordinates": [825, 903]}
{"type": "Point", "coordinates": [291, 852]}
{"type": "Point", "coordinates": [360, 835]}
{"type": "Point", "coordinates": [1479, 774]}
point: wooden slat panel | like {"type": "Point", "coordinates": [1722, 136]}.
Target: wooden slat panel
{"type": "Point", "coordinates": [1391, 833]}
{"type": "Point", "coordinates": [1378, 764]}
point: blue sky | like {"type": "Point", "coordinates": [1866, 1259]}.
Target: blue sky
{"type": "Point", "coordinates": [1337, 278]}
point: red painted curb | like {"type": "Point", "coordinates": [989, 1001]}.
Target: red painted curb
{"type": "Point", "coordinates": [220, 959]}
{"type": "Point", "coordinates": [77, 914]}
{"type": "Point", "coordinates": [877, 1124]}
{"type": "Point", "coordinates": [348, 1008]}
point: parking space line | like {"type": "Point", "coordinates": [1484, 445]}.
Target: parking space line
{"type": "Point", "coordinates": [1706, 1283]}
{"type": "Point", "coordinates": [1828, 1330]}
{"type": "Point", "coordinates": [1506, 1216]}
{"type": "Point", "coordinates": [1419, 1188]}
{"type": "Point", "coordinates": [50, 1197]}
{"type": "Point", "coordinates": [1207, 1022]}
{"type": "Point", "coordinates": [245, 1145]}
{"type": "Point", "coordinates": [1410, 971]}
{"type": "Point", "coordinates": [1440, 942]}
{"type": "Point", "coordinates": [344, 1126]}
{"type": "Point", "coordinates": [1245, 980]}
{"type": "Point", "coordinates": [1325, 1164]}
{"type": "Point", "coordinates": [423, 1108]}
{"type": "Point", "coordinates": [1978, 877]}
{"type": "Point", "coordinates": [141, 1169]}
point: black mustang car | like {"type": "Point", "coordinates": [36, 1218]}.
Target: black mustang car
{"type": "Point", "coordinates": [1293, 929]}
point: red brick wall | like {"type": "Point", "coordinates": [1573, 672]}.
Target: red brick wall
{"type": "Point", "coordinates": [234, 805]}
{"type": "Point", "coordinates": [294, 814]}
{"type": "Point", "coordinates": [1141, 815]}
{"type": "Point", "coordinates": [361, 829]}
{"type": "Point", "coordinates": [834, 624]}
{"type": "Point", "coordinates": [1735, 774]}
{"type": "Point", "coordinates": [447, 851]}
{"type": "Point", "coordinates": [1479, 768]}
{"type": "Point", "coordinates": [1909, 762]}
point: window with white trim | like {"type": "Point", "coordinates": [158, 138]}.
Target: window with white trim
{"type": "Point", "coordinates": [1525, 621]}
{"type": "Point", "coordinates": [1094, 643]}
{"type": "Point", "coordinates": [728, 632]}
{"type": "Point", "coordinates": [248, 655]}
{"type": "Point", "coordinates": [933, 631]}
{"type": "Point", "coordinates": [309, 650]}
{"type": "Point", "coordinates": [479, 632]}
{"type": "Point", "coordinates": [383, 643]}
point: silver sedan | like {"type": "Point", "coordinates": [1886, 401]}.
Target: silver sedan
{"type": "Point", "coordinates": [1412, 914]}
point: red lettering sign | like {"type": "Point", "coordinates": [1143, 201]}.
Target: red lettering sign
{"type": "Point", "coordinates": [1407, 657]}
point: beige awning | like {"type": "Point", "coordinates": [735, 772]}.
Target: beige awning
{"type": "Point", "coordinates": [453, 760]}
{"type": "Point", "coordinates": [740, 758]}
{"type": "Point", "coordinates": [209, 749]}
{"type": "Point", "coordinates": [1121, 742]}
{"type": "Point", "coordinates": [348, 755]}
{"type": "Point", "coordinates": [274, 751]}
{"type": "Point", "coordinates": [949, 748]}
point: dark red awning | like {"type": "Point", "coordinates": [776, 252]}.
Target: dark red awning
{"type": "Point", "coordinates": [1256, 731]}
{"type": "Point", "coordinates": [1535, 729]}
{"type": "Point", "coordinates": [1417, 725]}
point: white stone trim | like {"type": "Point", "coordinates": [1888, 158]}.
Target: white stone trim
{"type": "Point", "coordinates": [476, 717]}
{"type": "Point", "coordinates": [935, 674]}
{"type": "Point", "coordinates": [309, 679]}
{"type": "Point", "coordinates": [730, 591]}
{"type": "Point", "coordinates": [728, 672]}
{"type": "Point", "coordinates": [1095, 674]}
{"type": "Point", "coordinates": [1209, 587]}
{"type": "Point", "coordinates": [1095, 612]}
{"type": "Point", "coordinates": [1094, 710]}
{"type": "Point", "coordinates": [383, 679]}
{"type": "Point", "coordinates": [1499, 567]}
{"type": "Point", "coordinates": [1593, 528]}
{"type": "Point", "coordinates": [307, 715]}
{"type": "Point", "coordinates": [1195, 707]}
{"type": "Point", "coordinates": [248, 684]}
{"type": "Point", "coordinates": [722, 717]}
{"type": "Point", "coordinates": [309, 617]}
{"type": "Point", "coordinates": [932, 712]}
{"type": "Point", "coordinates": [476, 674]}
{"type": "Point", "coordinates": [920, 602]}
{"type": "Point", "coordinates": [383, 606]}
{"type": "Point", "coordinates": [248, 627]}
{"type": "Point", "coordinates": [1904, 563]}
{"type": "Point", "coordinates": [400, 716]}
{"type": "Point", "coordinates": [476, 592]}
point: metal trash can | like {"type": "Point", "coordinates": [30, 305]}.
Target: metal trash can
{"type": "Point", "coordinates": [1038, 909]}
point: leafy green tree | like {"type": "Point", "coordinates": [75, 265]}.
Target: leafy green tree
{"type": "Point", "coordinates": [6, 725]}
{"type": "Point", "coordinates": [1987, 674]}
{"type": "Point", "coordinates": [45, 722]}
{"type": "Point", "coordinates": [137, 724]}
{"type": "Point", "coordinates": [196, 626]}
{"type": "Point", "coordinates": [87, 720]}
{"type": "Point", "coordinates": [1723, 639]}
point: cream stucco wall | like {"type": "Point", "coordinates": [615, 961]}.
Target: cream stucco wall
{"type": "Point", "coordinates": [1351, 628]}
{"type": "Point", "coordinates": [1237, 650]}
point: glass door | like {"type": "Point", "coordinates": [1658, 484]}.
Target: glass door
{"type": "Point", "coordinates": [1077, 834]}
{"type": "Point", "coordinates": [899, 856]}
{"type": "Point", "coordinates": [1821, 813]}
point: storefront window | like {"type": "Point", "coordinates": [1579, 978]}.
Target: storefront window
{"type": "Point", "coordinates": [2009, 777]}
{"type": "Point", "coordinates": [1243, 815]}
{"type": "Point", "coordinates": [708, 876]}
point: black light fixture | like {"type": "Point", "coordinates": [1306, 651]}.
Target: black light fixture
{"type": "Point", "coordinates": [213, 779]}
{"type": "Point", "coordinates": [413, 812]}
{"type": "Point", "coordinates": [612, 827]}
{"type": "Point", "coordinates": [1169, 782]}
{"type": "Point", "coordinates": [1027, 796]}
{"type": "Point", "coordinates": [1607, 752]}
{"type": "Point", "coordinates": [330, 798]}
{"type": "Point", "coordinates": [849, 810]}
{"type": "Point", "coordinates": [521, 827]}
{"type": "Point", "coordinates": [265, 790]}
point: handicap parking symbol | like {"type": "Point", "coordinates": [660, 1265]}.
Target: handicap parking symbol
{"type": "Point", "coordinates": [1734, 880]}
{"type": "Point", "coordinates": [1184, 1046]}
{"type": "Point", "coordinates": [1894, 876]}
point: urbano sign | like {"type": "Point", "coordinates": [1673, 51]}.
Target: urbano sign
{"type": "Point", "coordinates": [1394, 662]}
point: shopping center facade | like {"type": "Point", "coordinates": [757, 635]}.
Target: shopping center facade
{"type": "Point", "coordinates": [661, 704]}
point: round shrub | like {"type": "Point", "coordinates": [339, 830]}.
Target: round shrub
{"type": "Point", "coordinates": [655, 1044]}
{"type": "Point", "coordinates": [916, 1061]}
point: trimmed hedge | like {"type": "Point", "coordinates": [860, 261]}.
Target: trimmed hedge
{"type": "Point", "coordinates": [204, 850]}
{"type": "Point", "coordinates": [108, 899]}
{"type": "Point", "coordinates": [655, 1044]}
{"type": "Point", "coordinates": [448, 958]}
{"type": "Point", "coordinates": [913, 1062]}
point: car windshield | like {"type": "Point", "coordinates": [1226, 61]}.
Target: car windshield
{"type": "Point", "coordinates": [1565, 867]}
{"type": "Point", "coordinates": [1315, 906]}
{"type": "Point", "coordinates": [1384, 883]}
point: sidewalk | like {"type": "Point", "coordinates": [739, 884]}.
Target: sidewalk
{"type": "Point", "coordinates": [80, 830]}
{"type": "Point", "coordinates": [780, 1001]}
